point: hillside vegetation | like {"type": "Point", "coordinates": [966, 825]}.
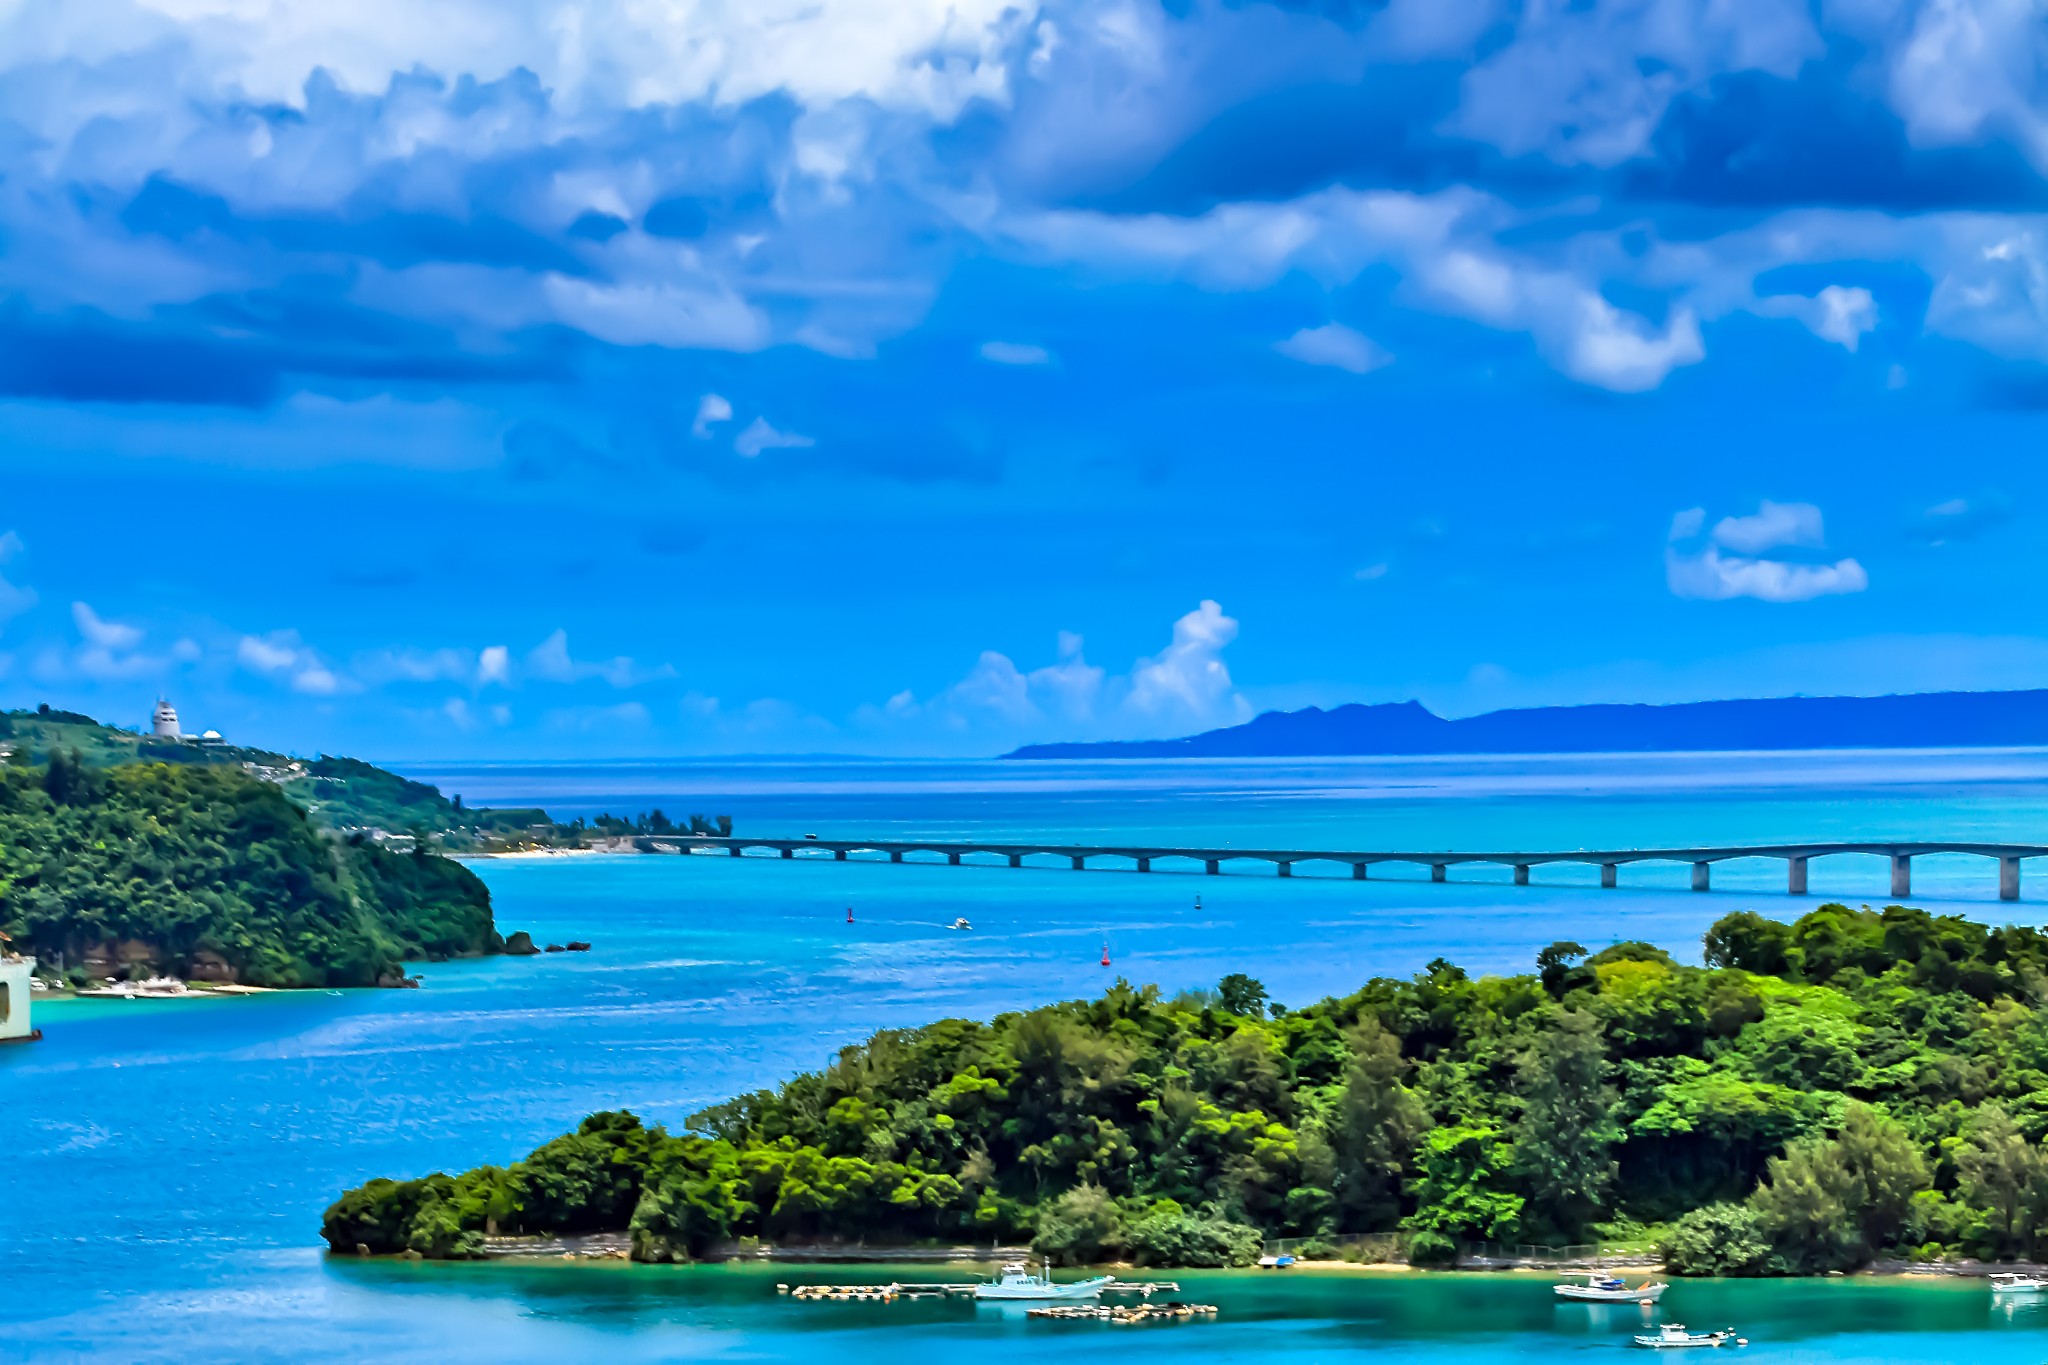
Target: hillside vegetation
{"type": "Point", "coordinates": [209, 873]}
{"type": "Point", "coordinates": [340, 793]}
{"type": "Point", "coordinates": [1822, 1092]}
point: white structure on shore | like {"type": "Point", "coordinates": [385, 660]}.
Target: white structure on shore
{"type": "Point", "coordinates": [163, 722]}
{"type": "Point", "coordinates": [15, 972]}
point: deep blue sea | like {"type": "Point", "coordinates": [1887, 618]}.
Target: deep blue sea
{"type": "Point", "coordinates": [167, 1162]}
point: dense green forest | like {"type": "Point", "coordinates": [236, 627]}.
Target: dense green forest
{"type": "Point", "coordinates": [339, 793]}
{"type": "Point", "coordinates": [1855, 1084]}
{"type": "Point", "coordinates": [210, 873]}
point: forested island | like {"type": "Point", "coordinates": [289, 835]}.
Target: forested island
{"type": "Point", "coordinates": [118, 863]}
{"type": "Point", "coordinates": [1854, 1085]}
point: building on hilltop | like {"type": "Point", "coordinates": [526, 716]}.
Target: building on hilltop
{"type": "Point", "coordinates": [163, 722]}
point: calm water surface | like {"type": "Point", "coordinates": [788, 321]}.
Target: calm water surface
{"type": "Point", "coordinates": [168, 1162]}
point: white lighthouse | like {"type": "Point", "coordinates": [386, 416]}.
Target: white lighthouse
{"type": "Point", "coordinates": [163, 722]}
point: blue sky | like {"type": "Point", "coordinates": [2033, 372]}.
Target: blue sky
{"type": "Point", "coordinates": [524, 377]}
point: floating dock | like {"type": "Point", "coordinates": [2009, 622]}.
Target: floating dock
{"type": "Point", "coordinates": [889, 1293]}
{"type": "Point", "coordinates": [1128, 1312]}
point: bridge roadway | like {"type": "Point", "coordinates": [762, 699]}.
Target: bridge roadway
{"type": "Point", "coordinates": [1609, 861]}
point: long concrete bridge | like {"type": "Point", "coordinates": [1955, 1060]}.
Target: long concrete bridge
{"type": "Point", "coordinates": [1609, 861]}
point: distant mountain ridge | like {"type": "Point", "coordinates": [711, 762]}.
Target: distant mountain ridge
{"type": "Point", "coordinates": [1927, 720]}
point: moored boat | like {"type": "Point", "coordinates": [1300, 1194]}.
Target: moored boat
{"type": "Point", "coordinates": [1672, 1335]}
{"type": "Point", "coordinates": [1017, 1284]}
{"type": "Point", "coordinates": [1604, 1288]}
{"type": "Point", "coordinates": [2008, 1283]}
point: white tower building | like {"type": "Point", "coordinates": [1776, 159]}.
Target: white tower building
{"type": "Point", "coordinates": [163, 723]}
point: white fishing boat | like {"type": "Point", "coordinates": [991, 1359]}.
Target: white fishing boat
{"type": "Point", "coordinates": [961, 923]}
{"type": "Point", "coordinates": [1601, 1287]}
{"type": "Point", "coordinates": [2017, 1284]}
{"type": "Point", "coordinates": [1671, 1335]}
{"type": "Point", "coordinates": [1017, 1283]}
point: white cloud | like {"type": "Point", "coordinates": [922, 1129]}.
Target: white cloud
{"type": "Point", "coordinates": [1443, 244]}
{"type": "Point", "coordinates": [1337, 346]}
{"type": "Point", "coordinates": [1772, 525]}
{"type": "Point", "coordinates": [1971, 67]}
{"type": "Point", "coordinates": [1015, 353]}
{"type": "Point", "coordinates": [711, 409]}
{"type": "Point", "coordinates": [1731, 564]}
{"type": "Point", "coordinates": [1188, 677]}
{"type": "Point", "coordinates": [927, 55]}
{"type": "Point", "coordinates": [101, 634]}
{"type": "Point", "coordinates": [550, 661]}
{"type": "Point", "coordinates": [1834, 314]}
{"type": "Point", "coordinates": [1713, 576]}
{"type": "Point", "coordinates": [493, 665]}
{"type": "Point", "coordinates": [997, 704]}
{"type": "Point", "coordinates": [1590, 83]}
{"type": "Point", "coordinates": [112, 650]}
{"type": "Point", "coordinates": [677, 314]}
{"type": "Point", "coordinates": [759, 436]}
{"type": "Point", "coordinates": [282, 654]}
{"type": "Point", "coordinates": [1957, 519]}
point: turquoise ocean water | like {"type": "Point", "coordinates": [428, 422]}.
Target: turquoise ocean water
{"type": "Point", "coordinates": [167, 1162]}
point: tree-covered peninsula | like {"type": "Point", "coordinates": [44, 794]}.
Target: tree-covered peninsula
{"type": "Point", "coordinates": [342, 794]}
{"type": "Point", "coordinates": [209, 873]}
{"type": "Point", "coordinates": [1855, 1084]}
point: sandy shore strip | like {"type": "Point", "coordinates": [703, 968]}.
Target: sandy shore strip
{"type": "Point", "coordinates": [539, 854]}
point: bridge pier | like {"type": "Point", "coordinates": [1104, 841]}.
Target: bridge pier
{"type": "Point", "coordinates": [1079, 862]}
{"type": "Point", "coordinates": [953, 859]}
{"type": "Point", "coordinates": [1286, 869]}
{"type": "Point", "coordinates": [1016, 860]}
{"type": "Point", "coordinates": [1358, 871]}
{"type": "Point", "coordinates": [1902, 874]}
{"type": "Point", "coordinates": [1213, 866]}
{"type": "Point", "coordinates": [789, 853]}
{"type": "Point", "coordinates": [733, 849]}
{"type": "Point", "coordinates": [1701, 876]}
{"type": "Point", "coordinates": [1521, 874]}
{"type": "Point", "coordinates": [1144, 864]}
{"type": "Point", "coordinates": [2008, 879]}
{"type": "Point", "coordinates": [1795, 876]}
{"type": "Point", "coordinates": [1609, 875]}
{"type": "Point", "coordinates": [1437, 872]}
{"type": "Point", "coordinates": [838, 855]}
{"type": "Point", "coordinates": [895, 855]}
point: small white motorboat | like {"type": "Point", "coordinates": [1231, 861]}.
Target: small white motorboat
{"type": "Point", "coordinates": [1601, 1287]}
{"type": "Point", "coordinates": [1017, 1283]}
{"type": "Point", "coordinates": [1275, 1262]}
{"type": "Point", "coordinates": [2017, 1284]}
{"type": "Point", "coordinates": [960, 923]}
{"type": "Point", "coordinates": [1672, 1335]}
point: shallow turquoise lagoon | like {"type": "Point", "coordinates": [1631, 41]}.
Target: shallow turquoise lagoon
{"type": "Point", "coordinates": [168, 1162]}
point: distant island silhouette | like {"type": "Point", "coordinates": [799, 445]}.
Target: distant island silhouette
{"type": "Point", "coordinates": [1928, 720]}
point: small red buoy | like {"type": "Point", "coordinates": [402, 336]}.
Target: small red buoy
{"type": "Point", "coordinates": [849, 914]}
{"type": "Point", "coordinates": [1105, 952]}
